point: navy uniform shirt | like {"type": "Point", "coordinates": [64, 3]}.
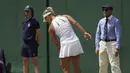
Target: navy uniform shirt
{"type": "Point", "coordinates": [29, 29]}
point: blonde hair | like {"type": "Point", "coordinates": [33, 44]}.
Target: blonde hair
{"type": "Point", "coordinates": [49, 9]}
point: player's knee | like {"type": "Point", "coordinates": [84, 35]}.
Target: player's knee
{"type": "Point", "coordinates": [64, 67]}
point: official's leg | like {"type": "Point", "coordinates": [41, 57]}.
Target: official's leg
{"type": "Point", "coordinates": [25, 65]}
{"type": "Point", "coordinates": [36, 64]}
{"type": "Point", "coordinates": [34, 54]}
{"type": "Point", "coordinates": [114, 61]}
{"type": "Point", "coordinates": [103, 58]}
{"type": "Point", "coordinates": [25, 57]}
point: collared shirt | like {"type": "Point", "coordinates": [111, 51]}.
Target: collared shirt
{"type": "Point", "coordinates": [113, 31]}
{"type": "Point", "coordinates": [29, 29]}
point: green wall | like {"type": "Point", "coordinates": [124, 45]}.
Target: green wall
{"type": "Point", "coordinates": [86, 12]}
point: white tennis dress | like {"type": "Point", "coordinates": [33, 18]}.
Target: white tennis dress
{"type": "Point", "coordinates": [70, 44]}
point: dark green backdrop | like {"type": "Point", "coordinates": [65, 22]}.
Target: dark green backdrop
{"type": "Point", "coordinates": [86, 12]}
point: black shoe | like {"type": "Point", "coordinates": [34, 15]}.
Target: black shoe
{"type": "Point", "coordinates": [8, 67]}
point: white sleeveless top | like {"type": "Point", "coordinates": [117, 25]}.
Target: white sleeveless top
{"type": "Point", "coordinates": [64, 30]}
{"type": "Point", "coordinates": [69, 42]}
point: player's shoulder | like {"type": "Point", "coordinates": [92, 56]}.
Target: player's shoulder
{"type": "Point", "coordinates": [66, 15]}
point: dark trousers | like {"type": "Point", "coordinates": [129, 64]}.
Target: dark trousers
{"type": "Point", "coordinates": [2, 61]}
{"type": "Point", "coordinates": [2, 56]}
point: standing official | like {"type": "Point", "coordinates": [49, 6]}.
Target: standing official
{"type": "Point", "coordinates": [31, 40]}
{"type": "Point", "coordinates": [108, 41]}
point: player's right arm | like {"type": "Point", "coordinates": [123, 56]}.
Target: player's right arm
{"type": "Point", "coordinates": [73, 21]}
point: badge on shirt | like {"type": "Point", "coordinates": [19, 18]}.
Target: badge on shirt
{"type": "Point", "coordinates": [29, 25]}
